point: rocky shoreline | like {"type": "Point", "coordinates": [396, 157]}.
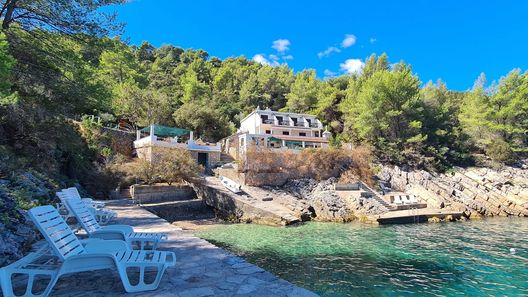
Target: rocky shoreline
{"type": "Point", "coordinates": [476, 191]}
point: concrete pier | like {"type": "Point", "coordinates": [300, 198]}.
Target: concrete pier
{"type": "Point", "coordinates": [415, 215]}
{"type": "Point", "coordinates": [244, 207]}
{"type": "Point", "coordinates": [202, 269]}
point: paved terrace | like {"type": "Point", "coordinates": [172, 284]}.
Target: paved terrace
{"type": "Point", "coordinates": [202, 269]}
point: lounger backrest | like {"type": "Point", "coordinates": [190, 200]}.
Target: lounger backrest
{"type": "Point", "coordinates": [57, 233]}
{"type": "Point", "coordinates": [63, 196]}
{"type": "Point", "coordinates": [74, 193]}
{"type": "Point", "coordinates": [83, 214]}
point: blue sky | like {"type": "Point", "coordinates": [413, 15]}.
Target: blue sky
{"type": "Point", "coordinates": [451, 40]}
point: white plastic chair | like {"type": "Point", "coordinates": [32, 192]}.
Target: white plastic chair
{"type": "Point", "coordinates": [120, 232]}
{"type": "Point", "coordinates": [70, 255]}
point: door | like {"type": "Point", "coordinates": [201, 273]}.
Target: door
{"type": "Point", "coordinates": [202, 159]}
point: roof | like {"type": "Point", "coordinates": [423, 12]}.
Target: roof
{"type": "Point", "coordinates": [279, 113]}
{"type": "Point", "coordinates": [165, 131]}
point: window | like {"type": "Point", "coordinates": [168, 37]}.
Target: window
{"type": "Point", "coordinates": [302, 133]}
{"type": "Point", "coordinates": [285, 133]}
{"type": "Point", "coordinates": [316, 133]}
{"type": "Point", "coordinates": [268, 131]}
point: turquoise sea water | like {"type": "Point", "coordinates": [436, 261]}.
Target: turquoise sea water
{"type": "Point", "coordinates": [446, 259]}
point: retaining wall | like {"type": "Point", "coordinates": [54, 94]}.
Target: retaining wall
{"type": "Point", "coordinates": [161, 193]}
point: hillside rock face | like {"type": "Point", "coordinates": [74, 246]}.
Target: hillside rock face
{"type": "Point", "coordinates": [476, 191]}
{"type": "Point", "coordinates": [16, 231]}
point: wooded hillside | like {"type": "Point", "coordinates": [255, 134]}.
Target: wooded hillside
{"type": "Point", "coordinates": [57, 62]}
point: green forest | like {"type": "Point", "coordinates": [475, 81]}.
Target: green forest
{"type": "Point", "coordinates": [60, 60]}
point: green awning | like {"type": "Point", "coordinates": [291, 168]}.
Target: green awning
{"type": "Point", "coordinates": [274, 139]}
{"type": "Point", "coordinates": [165, 131]}
{"type": "Point", "coordinates": [293, 142]}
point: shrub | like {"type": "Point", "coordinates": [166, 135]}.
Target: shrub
{"type": "Point", "coordinates": [168, 165]}
{"type": "Point", "coordinates": [500, 151]}
{"type": "Point", "coordinates": [145, 171]}
{"type": "Point", "coordinates": [176, 165]}
{"type": "Point", "coordinates": [361, 166]}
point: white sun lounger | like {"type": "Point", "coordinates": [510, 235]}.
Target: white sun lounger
{"type": "Point", "coordinates": [126, 233]}
{"type": "Point", "coordinates": [70, 255]}
{"type": "Point", "coordinates": [397, 200]}
{"type": "Point", "coordinates": [413, 199]}
{"type": "Point", "coordinates": [404, 199]}
{"type": "Point", "coordinates": [103, 216]}
{"type": "Point", "coordinates": [89, 201]}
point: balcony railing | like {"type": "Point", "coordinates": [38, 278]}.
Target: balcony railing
{"type": "Point", "coordinates": [299, 124]}
{"type": "Point", "coordinates": [267, 121]}
{"type": "Point", "coordinates": [284, 123]}
{"type": "Point", "coordinates": [314, 125]}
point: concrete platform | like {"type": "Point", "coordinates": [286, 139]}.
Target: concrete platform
{"type": "Point", "coordinates": [202, 269]}
{"type": "Point", "coordinates": [246, 206]}
{"type": "Point", "coordinates": [415, 215]}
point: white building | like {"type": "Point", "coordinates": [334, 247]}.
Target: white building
{"type": "Point", "coordinates": [282, 130]}
{"type": "Point", "coordinates": [207, 155]}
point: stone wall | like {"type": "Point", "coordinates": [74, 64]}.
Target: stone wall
{"type": "Point", "coordinates": [121, 141]}
{"type": "Point", "coordinates": [161, 193]}
{"type": "Point", "coordinates": [181, 210]}
{"type": "Point", "coordinates": [477, 191]}
{"type": "Point", "coordinates": [234, 210]}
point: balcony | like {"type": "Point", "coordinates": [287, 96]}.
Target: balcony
{"type": "Point", "coordinates": [299, 124]}
{"type": "Point", "coordinates": [284, 123]}
{"type": "Point", "coordinates": [190, 145]}
{"type": "Point", "coordinates": [314, 125]}
{"type": "Point", "coordinates": [267, 121]}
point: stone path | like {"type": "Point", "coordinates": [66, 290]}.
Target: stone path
{"type": "Point", "coordinates": [202, 269]}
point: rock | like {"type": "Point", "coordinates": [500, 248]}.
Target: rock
{"type": "Point", "coordinates": [434, 220]}
{"type": "Point", "coordinates": [483, 190]}
{"type": "Point", "coordinates": [16, 231]}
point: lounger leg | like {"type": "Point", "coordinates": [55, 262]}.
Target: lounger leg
{"type": "Point", "coordinates": [7, 286]}
{"type": "Point", "coordinates": [141, 285]}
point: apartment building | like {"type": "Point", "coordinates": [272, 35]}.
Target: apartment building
{"type": "Point", "coordinates": [282, 130]}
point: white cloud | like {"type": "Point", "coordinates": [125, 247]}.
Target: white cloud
{"type": "Point", "coordinates": [259, 58]}
{"type": "Point", "coordinates": [329, 73]}
{"type": "Point", "coordinates": [288, 57]}
{"type": "Point", "coordinates": [281, 45]}
{"type": "Point", "coordinates": [351, 66]}
{"type": "Point", "coordinates": [327, 52]}
{"type": "Point", "coordinates": [273, 57]}
{"type": "Point", "coordinates": [372, 40]}
{"type": "Point", "coordinates": [349, 41]}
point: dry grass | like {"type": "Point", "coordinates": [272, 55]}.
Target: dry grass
{"type": "Point", "coordinates": [351, 164]}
